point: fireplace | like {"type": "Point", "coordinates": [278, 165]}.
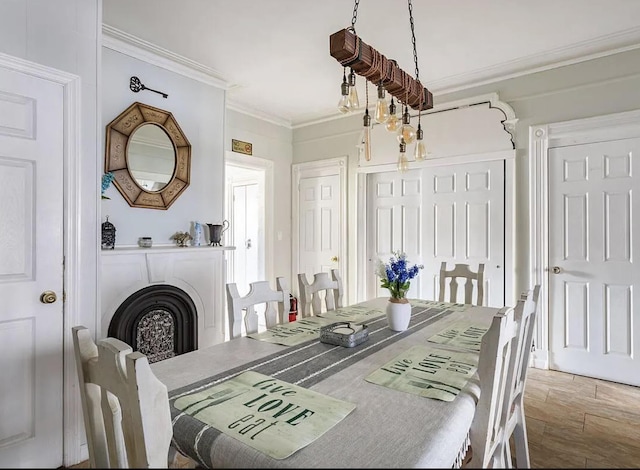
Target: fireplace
{"type": "Point", "coordinates": [160, 321]}
{"type": "Point", "coordinates": [172, 299]}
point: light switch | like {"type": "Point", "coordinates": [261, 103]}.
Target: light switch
{"type": "Point", "coordinates": [279, 235]}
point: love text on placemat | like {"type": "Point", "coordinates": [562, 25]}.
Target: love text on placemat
{"type": "Point", "coordinates": [428, 372]}
{"type": "Point", "coordinates": [463, 334]}
{"type": "Point", "coordinates": [270, 415]}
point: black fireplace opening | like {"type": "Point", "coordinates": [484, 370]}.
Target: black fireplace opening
{"type": "Point", "coordinates": [160, 321]}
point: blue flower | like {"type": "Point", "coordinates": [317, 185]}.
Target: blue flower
{"type": "Point", "coordinates": [107, 178]}
{"type": "Point", "coordinates": [396, 274]}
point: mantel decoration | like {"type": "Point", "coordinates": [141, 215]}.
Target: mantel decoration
{"type": "Point", "coordinates": [348, 48]}
{"type": "Point", "coordinates": [396, 276]}
{"type": "Point", "coordinates": [181, 238]}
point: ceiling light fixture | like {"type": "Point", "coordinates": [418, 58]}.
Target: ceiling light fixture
{"type": "Point", "coordinates": [347, 48]}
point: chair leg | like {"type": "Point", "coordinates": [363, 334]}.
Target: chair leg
{"type": "Point", "coordinates": [521, 442]}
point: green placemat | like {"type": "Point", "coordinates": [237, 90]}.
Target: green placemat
{"type": "Point", "coordinates": [294, 333]}
{"type": "Point", "coordinates": [464, 334]}
{"type": "Point", "coordinates": [427, 371]}
{"type": "Point", "coordinates": [355, 314]}
{"type": "Point", "coordinates": [436, 304]}
{"type": "Point", "coordinates": [270, 415]}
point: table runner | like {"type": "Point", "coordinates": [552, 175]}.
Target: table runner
{"type": "Point", "coordinates": [304, 365]}
{"type": "Point", "coordinates": [270, 415]}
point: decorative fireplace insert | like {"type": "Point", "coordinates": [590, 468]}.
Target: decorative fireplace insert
{"type": "Point", "coordinates": [160, 321]}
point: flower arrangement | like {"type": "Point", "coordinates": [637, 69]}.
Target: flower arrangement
{"type": "Point", "coordinates": [396, 274]}
{"type": "Point", "coordinates": [107, 178]}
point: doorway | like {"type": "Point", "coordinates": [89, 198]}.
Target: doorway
{"type": "Point", "coordinates": [249, 208]}
{"type": "Point", "coordinates": [584, 212]}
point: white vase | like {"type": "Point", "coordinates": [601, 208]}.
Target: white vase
{"type": "Point", "coordinates": [398, 315]}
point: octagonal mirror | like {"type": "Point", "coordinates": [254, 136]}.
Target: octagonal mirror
{"type": "Point", "coordinates": [149, 156]}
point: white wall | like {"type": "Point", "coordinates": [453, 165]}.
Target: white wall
{"type": "Point", "coordinates": [199, 110]}
{"type": "Point", "coordinates": [271, 142]}
{"type": "Point", "coordinates": [602, 86]}
{"type": "Point", "coordinates": [65, 35]}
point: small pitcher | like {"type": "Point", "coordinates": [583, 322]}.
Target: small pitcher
{"type": "Point", "coordinates": [216, 231]}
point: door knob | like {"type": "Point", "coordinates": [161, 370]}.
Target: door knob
{"type": "Point", "coordinates": [556, 270]}
{"type": "Point", "coordinates": [334, 259]}
{"type": "Point", "coordinates": [48, 297]}
{"type": "Point", "coordinates": [248, 243]}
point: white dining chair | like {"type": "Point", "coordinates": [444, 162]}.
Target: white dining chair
{"type": "Point", "coordinates": [487, 433]}
{"type": "Point", "coordinates": [311, 294]}
{"type": "Point", "coordinates": [462, 271]}
{"type": "Point", "coordinates": [125, 407]}
{"type": "Point", "coordinates": [241, 308]}
{"type": "Point", "coordinates": [513, 409]}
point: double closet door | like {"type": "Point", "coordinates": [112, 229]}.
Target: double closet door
{"type": "Point", "coordinates": [452, 213]}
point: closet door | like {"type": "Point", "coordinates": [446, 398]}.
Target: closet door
{"type": "Point", "coordinates": [464, 222]}
{"type": "Point", "coordinates": [452, 213]}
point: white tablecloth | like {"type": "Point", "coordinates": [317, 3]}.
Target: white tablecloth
{"type": "Point", "coordinates": [387, 429]}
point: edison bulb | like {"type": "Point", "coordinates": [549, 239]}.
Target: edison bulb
{"type": "Point", "coordinates": [420, 152]}
{"type": "Point", "coordinates": [406, 132]}
{"type": "Point", "coordinates": [354, 102]}
{"type": "Point", "coordinates": [367, 143]}
{"type": "Point", "coordinates": [392, 123]}
{"type": "Point", "coordinates": [382, 110]}
{"type": "Point", "coordinates": [344, 106]}
{"type": "Point", "coordinates": [403, 163]}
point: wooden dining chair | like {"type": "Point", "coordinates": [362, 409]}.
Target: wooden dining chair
{"type": "Point", "coordinates": [125, 407]}
{"type": "Point", "coordinates": [513, 409]}
{"type": "Point", "coordinates": [311, 295]}
{"type": "Point", "coordinates": [487, 433]}
{"type": "Point", "coordinates": [462, 271]}
{"type": "Point", "coordinates": [260, 293]}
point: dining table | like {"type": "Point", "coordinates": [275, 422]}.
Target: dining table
{"type": "Point", "coordinates": [383, 428]}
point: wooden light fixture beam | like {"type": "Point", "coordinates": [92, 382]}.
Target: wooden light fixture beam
{"type": "Point", "coordinates": [343, 46]}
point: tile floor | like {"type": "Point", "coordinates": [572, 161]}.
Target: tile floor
{"type": "Point", "coordinates": [572, 422]}
{"type": "Point", "coordinates": [580, 422]}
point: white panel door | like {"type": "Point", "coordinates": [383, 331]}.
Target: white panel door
{"type": "Point", "coordinates": [246, 237]}
{"type": "Point", "coordinates": [452, 213]}
{"type": "Point", "coordinates": [31, 262]}
{"type": "Point", "coordinates": [394, 224]}
{"type": "Point", "coordinates": [465, 223]}
{"type": "Point", "coordinates": [319, 224]}
{"type": "Point", "coordinates": [593, 210]}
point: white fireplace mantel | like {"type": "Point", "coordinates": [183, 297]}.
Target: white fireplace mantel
{"type": "Point", "coordinates": [198, 271]}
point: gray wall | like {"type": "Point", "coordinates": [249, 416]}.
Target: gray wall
{"type": "Point", "coordinates": [199, 110]}
{"type": "Point", "coordinates": [601, 86]}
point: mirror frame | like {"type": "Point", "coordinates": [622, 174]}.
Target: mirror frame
{"type": "Point", "coordinates": [120, 130]}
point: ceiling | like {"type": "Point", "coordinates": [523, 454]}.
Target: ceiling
{"type": "Point", "coordinates": [274, 57]}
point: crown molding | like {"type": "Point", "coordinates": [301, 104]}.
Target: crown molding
{"type": "Point", "coordinates": [133, 46]}
{"type": "Point", "coordinates": [602, 46]}
{"type": "Point", "coordinates": [273, 119]}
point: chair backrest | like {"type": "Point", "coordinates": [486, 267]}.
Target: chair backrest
{"type": "Point", "coordinates": [525, 318]}
{"type": "Point", "coordinates": [126, 408]}
{"type": "Point", "coordinates": [310, 294]}
{"type": "Point", "coordinates": [513, 408]}
{"type": "Point", "coordinates": [487, 428]}
{"type": "Point", "coordinates": [462, 271]}
{"type": "Point", "coordinates": [259, 293]}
